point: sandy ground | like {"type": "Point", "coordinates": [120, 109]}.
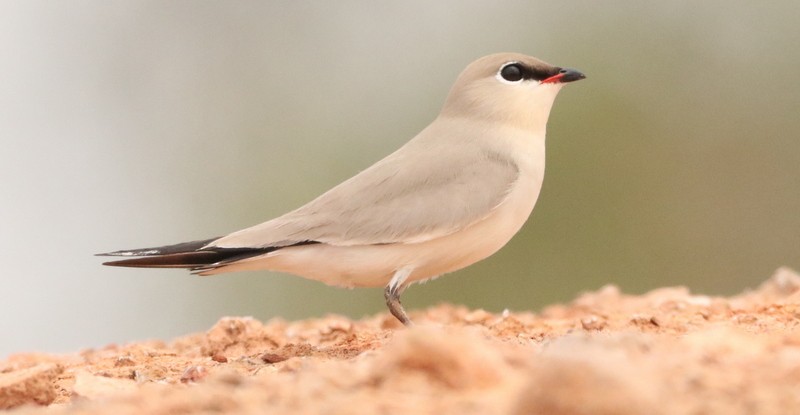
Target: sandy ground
{"type": "Point", "coordinates": [665, 352]}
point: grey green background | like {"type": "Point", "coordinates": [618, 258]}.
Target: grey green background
{"type": "Point", "coordinates": [127, 124]}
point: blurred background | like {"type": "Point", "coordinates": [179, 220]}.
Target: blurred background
{"type": "Point", "coordinates": [127, 124]}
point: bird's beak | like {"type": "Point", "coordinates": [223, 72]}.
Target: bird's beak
{"type": "Point", "coordinates": [565, 75]}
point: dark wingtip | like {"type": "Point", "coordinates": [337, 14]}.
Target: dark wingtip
{"type": "Point", "coordinates": [112, 263]}
{"type": "Point", "coordinates": [192, 255]}
{"type": "Point", "coordinates": [183, 247]}
{"type": "Point", "coordinates": [119, 253]}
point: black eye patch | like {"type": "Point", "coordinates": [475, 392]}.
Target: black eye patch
{"type": "Point", "coordinates": [515, 71]}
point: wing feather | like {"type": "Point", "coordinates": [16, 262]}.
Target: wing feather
{"type": "Point", "coordinates": [425, 190]}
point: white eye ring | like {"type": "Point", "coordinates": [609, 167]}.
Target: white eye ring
{"type": "Point", "coordinates": [503, 79]}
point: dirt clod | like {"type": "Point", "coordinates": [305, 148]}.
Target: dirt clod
{"type": "Point", "coordinates": [31, 385]}
{"type": "Point", "coordinates": [272, 358]}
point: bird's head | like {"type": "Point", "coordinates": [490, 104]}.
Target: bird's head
{"type": "Point", "coordinates": [509, 88]}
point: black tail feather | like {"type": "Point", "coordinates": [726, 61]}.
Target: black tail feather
{"type": "Point", "coordinates": [163, 250]}
{"type": "Point", "coordinates": [192, 255]}
{"type": "Point", "coordinates": [183, 255]}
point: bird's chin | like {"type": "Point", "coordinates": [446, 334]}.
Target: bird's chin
{"type": "Point", "coordinates": [557, 85]}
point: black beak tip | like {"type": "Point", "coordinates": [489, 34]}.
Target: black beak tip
{"type": "Point", "coordinates": [571, 75]}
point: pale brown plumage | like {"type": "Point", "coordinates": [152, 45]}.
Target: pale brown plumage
{"type": "Point", "coordinates": [451, 196]}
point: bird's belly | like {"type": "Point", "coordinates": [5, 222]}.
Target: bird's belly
{"type": "Point", "coordinates": [482, 239]}
{"type": "Point", "coordinates": [374, 265]}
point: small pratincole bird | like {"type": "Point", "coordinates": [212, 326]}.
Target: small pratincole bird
{"type": "Point", "coordinates": [452, 196]}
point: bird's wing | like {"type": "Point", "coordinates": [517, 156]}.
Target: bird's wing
{"type": "Point", "coordinates": [423, 191]}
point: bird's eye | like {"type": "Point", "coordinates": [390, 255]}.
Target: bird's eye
{"type": "Point", "coordinates": [512, 72]}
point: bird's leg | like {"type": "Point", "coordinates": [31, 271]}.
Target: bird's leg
{"type": "Point", "coordinates": [395, 307]}
{"type": "Point", "coordinates": [392, 294]}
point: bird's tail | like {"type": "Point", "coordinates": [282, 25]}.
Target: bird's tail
{"type": "Point", "coordinates": [195, 255]}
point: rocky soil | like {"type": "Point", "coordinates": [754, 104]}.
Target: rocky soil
{"type": "Point", "coordinates": [665, 352]}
